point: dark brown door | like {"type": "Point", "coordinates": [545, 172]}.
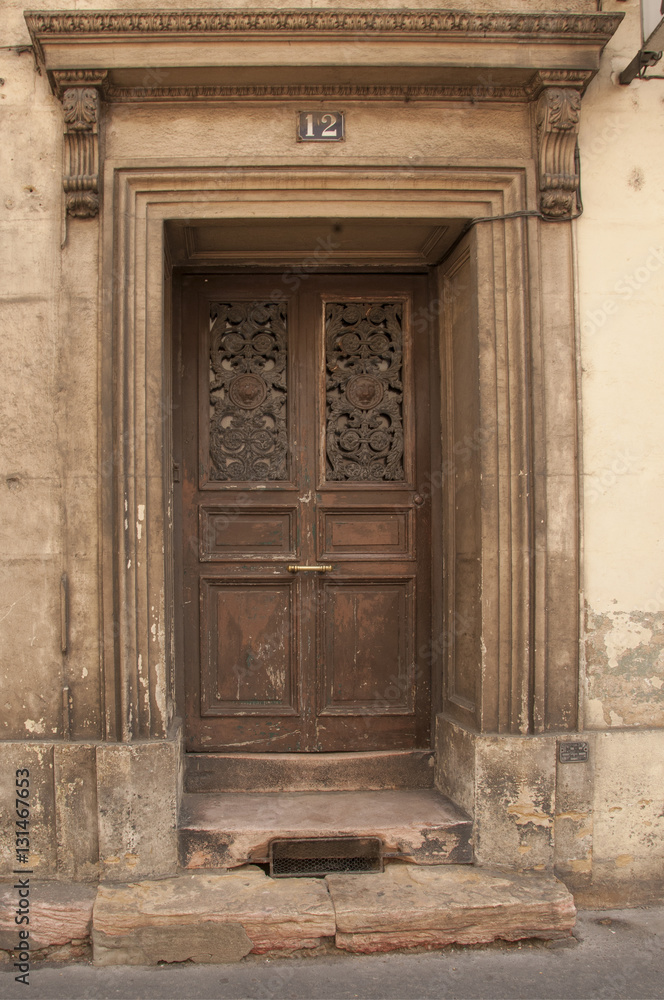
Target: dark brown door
{"type": "Point", "coordinates": [305, 433]}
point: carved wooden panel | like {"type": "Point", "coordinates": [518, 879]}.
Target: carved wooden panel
{"type": "Point", "coordinates": [364, 391]}
{"type": "Point", "coordinates": [345, 533]}
{"type": "Point", "coordinates": [248, 647]}
{"type": "Point", "coordinates": [232, 533]}
{"type": "Point", "coordinates": [248, 391]}
{"type": "Point", "coordinates": [367, 629]}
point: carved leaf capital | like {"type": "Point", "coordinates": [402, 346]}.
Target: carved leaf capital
{"type": "Point", "coordinates": [81, 108]}
{"type": "Point", "coordinates": [558, 109]}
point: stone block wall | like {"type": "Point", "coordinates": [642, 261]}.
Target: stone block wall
{"type": "Point", "coordinates": [598, 824]}
{"type": "Point", "coordinates": [97, 811]}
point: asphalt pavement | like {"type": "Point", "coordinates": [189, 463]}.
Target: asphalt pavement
{"type": "Point", "coordinates": [613, 954]}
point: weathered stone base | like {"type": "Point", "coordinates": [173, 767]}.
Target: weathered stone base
{"type": "Point", "coordinates": [598, 823]}
{"type": "Point", "coordinates": [231, 828]}
{"type": "Point", "coordinates": [410, 906]}
{"type": "Point", "coordinates": [223, 917]}
{"type": "Point", "coordinates": [60, 918]}
{"type": "Point", "coordinates": [209, 918]}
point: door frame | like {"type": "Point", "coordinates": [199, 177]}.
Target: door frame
{"type": "Point", "coordinates": [527, 675]}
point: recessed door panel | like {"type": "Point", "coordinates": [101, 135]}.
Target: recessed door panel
{"type": "Point", "coordinates": [232, 533]}
{"type": "Point", "coordinates": [248, 661]}
{"type": "Point", "coordinates": [375, 533]}
{"type": "Point", "coordinates": [367, 645]}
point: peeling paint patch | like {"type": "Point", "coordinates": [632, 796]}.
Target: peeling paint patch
{"type": "Point", "coordinates": [625, 634]}
{"type": "Point", "coordinates": [527, 812]}
{"type": "Point", "coordinates": [624, 683]}
{"type": "Point", "coordinates": [35, 727]}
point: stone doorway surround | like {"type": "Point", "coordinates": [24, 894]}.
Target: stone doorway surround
{"type": "Point", "coordinates": [512, 669]}
{"type": "Point", "coordinates": [523, 275]}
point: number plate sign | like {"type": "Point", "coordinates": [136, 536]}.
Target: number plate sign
{"type": "Point", "coordinates": [573, 752]}
{"type": "Point", "coordinates": [320, 126]}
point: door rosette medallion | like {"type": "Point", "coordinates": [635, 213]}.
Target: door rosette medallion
{"type": "Point", "coordinates": [248, 391]}
{"type": "Point", "coordinates": [364, 391]}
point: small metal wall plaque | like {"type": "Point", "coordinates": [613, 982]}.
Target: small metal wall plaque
{"type": "Point", "coordinates": [573, 752]}
{"type": "Point", "coordinates": [320, 126]}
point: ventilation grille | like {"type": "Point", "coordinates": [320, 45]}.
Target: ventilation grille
{"type": "Point", "coordinates": [319, 856]}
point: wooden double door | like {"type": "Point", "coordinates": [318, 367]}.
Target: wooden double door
{"type": "Point", "coordinates": [305, 524]}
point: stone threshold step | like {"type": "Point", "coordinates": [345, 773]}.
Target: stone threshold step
{"type": "Point", "coordinates": [308, 772]}
{"type": "Point", "coordinates": [233, 828]}
{"type": "Point", "coordinates": [225, 916]}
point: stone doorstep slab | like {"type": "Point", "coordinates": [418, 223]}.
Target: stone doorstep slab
{"type": "Point", "coordinates": [409, 906]}
{"type": "Point", "coordinates": [60, 913]}
{"type": "Point", "coordinates": [308, 772]}
{"type": "Point", "coordinates": [232, 828]}
{"type": "Point", "coordinates": [209, 918]}
{"type": "Point", "coordinates": [222, 917]}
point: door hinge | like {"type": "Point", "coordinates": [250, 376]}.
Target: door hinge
{"type": "Point", "coordinates": [176, 472]}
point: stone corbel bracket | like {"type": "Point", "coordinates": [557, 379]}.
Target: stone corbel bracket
{"type": "Point", "coordinates": [79, 92]}
{"type": "Point", "coordinates": [558, 112]}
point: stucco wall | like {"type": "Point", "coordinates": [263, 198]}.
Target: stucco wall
{"type": "Point", "coordinates": [621, 298]}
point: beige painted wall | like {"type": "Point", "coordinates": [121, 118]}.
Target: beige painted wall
{"type": "Point", "coordinates": [621, 300]}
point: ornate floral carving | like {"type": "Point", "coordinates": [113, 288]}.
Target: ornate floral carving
{"type": "Point", "coordinates": [417, 21]}
{"type": "Point", "coordinates": [81, 108]}
{"type": "Point", "coordinates": [81, 178]}
{"type": "Point", "coordinates": [364, 397]}
{"type": "Point", "coordinates": [558, 111]}
{"type": "Point", "coordinates": [248, 392]}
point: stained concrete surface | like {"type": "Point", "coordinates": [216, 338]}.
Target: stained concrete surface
{"type": "Point", "coordinates": [615, 954]}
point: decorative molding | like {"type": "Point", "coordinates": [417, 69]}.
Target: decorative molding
{"type": "Point", "coordinates": [437, 22]}
{"type": "Point", "coordinates": [579, 79]}
{"type": "Point", "coordinates": [81, 164]}
{"type": "Point", "coordinates": [63, 79]}
{"type": "Point", "coordinates": [184, 53]}
{"type": "Point", "coordinates": [558, 111]}
{"type": "Point", "coordinates": [386, 92]}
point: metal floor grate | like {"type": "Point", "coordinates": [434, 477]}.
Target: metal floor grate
{"type": "Point", "coordinates": [319, 856]}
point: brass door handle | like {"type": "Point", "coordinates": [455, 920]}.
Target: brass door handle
{"type": "Point", "coordinates": [321, 568]}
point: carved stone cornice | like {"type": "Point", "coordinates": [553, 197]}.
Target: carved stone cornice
{"type": "Point", "coordinates": [80, 104]}
{"type": "Point", "coordinates": [402, 54]}
{"type": "Point", "coordinates": [384, 21]}
{"type": "Point", "coordinates": [558, 111]}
